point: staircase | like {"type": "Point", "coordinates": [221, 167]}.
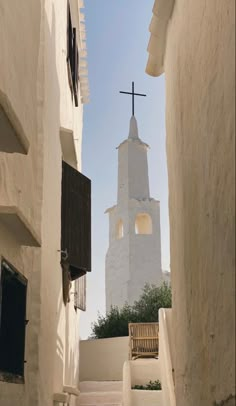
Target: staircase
{"type": "Point", "coordinates": [100, 393]}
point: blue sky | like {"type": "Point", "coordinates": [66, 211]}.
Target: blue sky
{"type": "Point", "coordinates": [117, 39]}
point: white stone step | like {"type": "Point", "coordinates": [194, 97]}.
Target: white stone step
{"type": "Point", "coordinates": [102, 404]}
{"type": "Point", "coordinates": [100, 398]}
{"type": "Point", "coordinates": [100, 386]}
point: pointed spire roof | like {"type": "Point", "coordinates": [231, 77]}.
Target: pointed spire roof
{"type": "Point", "coordinates": [133, 133]}
{"type": "Point", "coordinates": [133, 128]}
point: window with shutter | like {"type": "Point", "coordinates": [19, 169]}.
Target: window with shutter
{"type": "Point", "coordinates": [13, 290]}
{"type": "Point", "coordinates": [72, 57]}
{"type": "Point", "coordinates": [75, 222]}
{"type": "Point", "coordinates": [75, 76]}
{"type": "Point", "coordinates": [69, 47]}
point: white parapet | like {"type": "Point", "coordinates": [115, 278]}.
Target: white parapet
{"type": "Point", "coordinates": [126, 384]}
{"type": "Point", "coordinates": [166, 357]}
{"type": "Point", "coordinates": [142, 371]}
{"type": "Point", "coordinates": [146, 397]}
{"type": "Point", "coordinates": [103, 359]}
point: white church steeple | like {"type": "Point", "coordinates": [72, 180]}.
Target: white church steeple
{"type": "Point", "coordinates": [134, 254]}
{"type": "Point", "coordinates": [133, 182]}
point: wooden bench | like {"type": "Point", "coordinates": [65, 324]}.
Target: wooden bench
{"type": "Point", "coordinates": [143, 340]}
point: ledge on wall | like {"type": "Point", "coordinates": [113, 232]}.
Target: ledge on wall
{"type": "Point", "coordinates": [12, 137]}
{"type": "Point", "coordinates": [12, 218]}
{"type": "Point", "coordinates": [61, 398]}
{"type": "Point", "coordinates": [162, 11]}
{"type": "Point", "coordinates": [71, 390]}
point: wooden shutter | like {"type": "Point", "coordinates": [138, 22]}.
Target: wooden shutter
{"type": "Point", "coordinates": [75, 67]}
{"type": "Point", "coordinates": [69, 47]}
{"type": "Point", "coordinates": [72, 57]}
{"type": "Point", "coordinates": [80, 293]}
{"type": "Point", "coordinates": [76, 221]}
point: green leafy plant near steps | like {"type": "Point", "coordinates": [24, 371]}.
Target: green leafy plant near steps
{"type": "Point", "coordinates": [156, 385]}
{"type": "Point", "coordinates": [145, 310]}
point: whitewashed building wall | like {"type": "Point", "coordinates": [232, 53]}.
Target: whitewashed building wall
{"type": "Point", "coordinates": [36, 97]}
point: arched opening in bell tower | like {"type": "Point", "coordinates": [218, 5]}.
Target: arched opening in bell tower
{"type": "Point", "coordinates": [143, 224]}
{"type": "Point", "coordinates": [119, 229]}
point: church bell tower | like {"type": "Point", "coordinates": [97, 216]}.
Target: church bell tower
{"type": "Point", "coordinates": [134, 254]}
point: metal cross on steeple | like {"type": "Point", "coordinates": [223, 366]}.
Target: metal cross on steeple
{"type": "Point", "coordinates": [133, 94]}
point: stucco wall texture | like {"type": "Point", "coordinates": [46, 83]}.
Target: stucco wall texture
{"type": "Point", "coordinates": [200, 89]}
{"type": "Point", "coordinates": [33, 76]}
{"type": "Point", "coordinates": [103, 359]}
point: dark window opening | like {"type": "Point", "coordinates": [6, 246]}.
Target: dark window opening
{"type": "Point", "coordinates": [75, 225]}
{"type": "Point", "coordinates": [72, 57]}
{"type": "Point", "coordinates": [13, 290]}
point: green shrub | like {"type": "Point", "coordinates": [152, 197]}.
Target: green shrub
{"type": "Point", "coordinates": [156, 385]}
{"type": "Point", "coordinates": [145, 310]}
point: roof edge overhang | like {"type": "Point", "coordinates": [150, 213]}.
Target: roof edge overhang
{"type": "Point", "coordinates": [83, 63]}
{"type": "Point", "coordinates": [110, 209]}
{"type": "Point", "coordinates": [162, 12]}
{"type": "Point", "coordinates": [136, 140]}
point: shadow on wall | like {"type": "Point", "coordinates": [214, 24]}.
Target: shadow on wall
{"type": "Point", "coordinates": [65, 361]}
{"type": "Point", "coordinates": [52, 342]}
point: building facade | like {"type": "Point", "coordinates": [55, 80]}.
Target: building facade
{"type": "Point", "coordinates": [45, 219]}
{"type": "Point", "coordinates": [134, 254]}
{"type": "Point", "coordinates": [193, 42]}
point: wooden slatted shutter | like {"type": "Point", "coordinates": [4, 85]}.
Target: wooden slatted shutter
{"type": "Point", "coordinates": [76, 221]}
{"type": "Point", "coordinates": [72, 57]}
{"type": "Point", "coordinates": [75, 67]}
{"type": "Point", "coordinates": [69, 47]}
{"type": "Point", "coordinates": [80, 293]}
